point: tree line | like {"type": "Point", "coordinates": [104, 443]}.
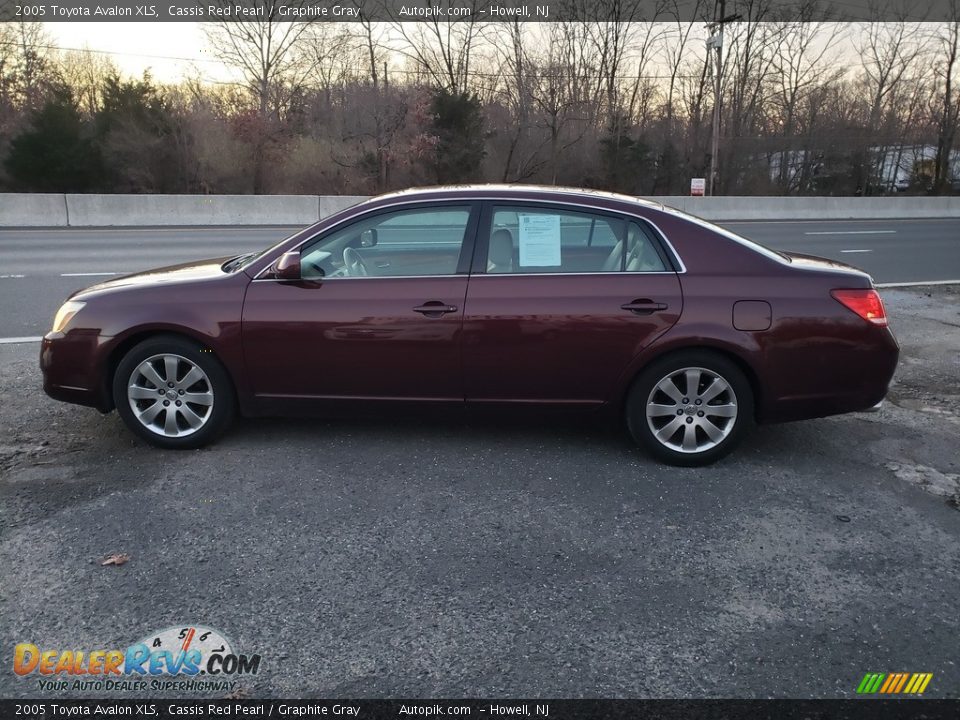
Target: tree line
{"type": "Point", "coordinates": [623, 105]}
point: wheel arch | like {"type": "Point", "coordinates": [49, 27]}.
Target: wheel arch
{"type": "Point", "coordinates": [719, 349]}
{"type": "Point", "coordinates": [139, 335]}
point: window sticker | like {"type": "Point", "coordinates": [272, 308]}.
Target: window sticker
{"type": "Point", "coordinates": [539, 240]}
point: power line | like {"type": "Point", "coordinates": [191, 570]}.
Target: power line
{"type": "Point", "coordinates": [111, 52]}
{"type": "Point", "coordinates": [392, 71]}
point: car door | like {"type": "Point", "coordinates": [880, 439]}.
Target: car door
{"type": "Point", "coordinates": [560, 301]}
{"type": "Point", "coordinates": [376, 315]}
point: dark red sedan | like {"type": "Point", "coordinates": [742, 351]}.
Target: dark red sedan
{"type": "Point", "coordinates": [484, 295]}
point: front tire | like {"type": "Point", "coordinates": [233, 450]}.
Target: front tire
{"type": "Point", "coordinates": [173, 393]}
{"type": "Point", "coordinates": [690, 408]}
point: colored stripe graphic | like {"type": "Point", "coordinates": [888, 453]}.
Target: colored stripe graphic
{"type": "Point", "coordinates": [870, 683]}
{"type": "Point", "coordinates": [894, 683]}
{"type": "Point", "coordinates": [914, 682]}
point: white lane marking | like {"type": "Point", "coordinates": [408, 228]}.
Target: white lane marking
{"type": "Point", "coordinates": [917, 284]}
{"type": "Point", "coordinates": [90, 274]}
{"type": "Point", "coordinates": [4, 277]}
{"type": "Point", "coordinates": [838, 220]}
{"type": "Point", "coordinates": [14, 340]}
{"type": "Point", "coordinates": [855, 251]}
{"type": "Point", "coordinates": [851, 232]}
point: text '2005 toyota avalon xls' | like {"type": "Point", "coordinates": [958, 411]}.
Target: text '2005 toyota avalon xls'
{"type": "Point", "coordinates": [484, 295]}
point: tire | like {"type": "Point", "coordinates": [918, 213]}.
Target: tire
{"type": "Point", "coordinates": [717, 416]}
{"type": "Point", "coordinates": [200, 385]}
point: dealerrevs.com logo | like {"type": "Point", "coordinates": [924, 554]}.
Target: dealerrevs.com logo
{"type": "Point", "coordinates": [188, 658]}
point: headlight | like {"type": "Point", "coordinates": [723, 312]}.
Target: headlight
{"type": "Point", "coordinates": [65, 314]}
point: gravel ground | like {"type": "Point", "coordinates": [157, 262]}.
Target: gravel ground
{"type": "Point", "coordinates": [436, 558]}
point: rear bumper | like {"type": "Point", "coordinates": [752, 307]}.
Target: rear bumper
{"type": "Point", "coordinates": [840, 376]}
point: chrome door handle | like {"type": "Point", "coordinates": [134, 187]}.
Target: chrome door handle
{"type": "Point", "coordinates": [643, 307]}
{"type": "Point", "coordinates": [435, 308]}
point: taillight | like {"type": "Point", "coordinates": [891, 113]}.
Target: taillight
{"type": "Point", "coordinates": [865, 303]}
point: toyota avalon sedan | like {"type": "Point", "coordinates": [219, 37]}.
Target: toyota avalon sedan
{"type": "Point", "coordinates": [484, 296]}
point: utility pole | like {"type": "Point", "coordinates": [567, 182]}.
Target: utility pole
{"type": "Point", "coordinates": [715, 42]}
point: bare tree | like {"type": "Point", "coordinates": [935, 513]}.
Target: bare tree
{"type": "Point", "coordinates": [86, 72]}
{"type": "Point", "coordinates": [946, 97]}
{"type": "Point", "coordinates": [442, 48]}
{"type": "Point", "coordinates": [888, 53]}
{"type": "Point", "coordinates": [268, 54]}
{"type": "Point", "coordinates": [804, 62]}
{"type": "Point", "coordinates": [26, 71]}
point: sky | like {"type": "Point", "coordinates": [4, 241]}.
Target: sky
{"type": "Point", "coordinates": [133, 44]}
{"type": "Point", "coordinates": [171, 51]}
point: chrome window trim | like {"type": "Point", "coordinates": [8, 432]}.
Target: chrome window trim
{"type": "Point", "coordinates": [587, 206]}
{"type": "Point", "coordinates": [467, 276]}
{"type": "Point", "coordinates": [362, 277]}
{"type": "Point", "coordinates": [598, 273]}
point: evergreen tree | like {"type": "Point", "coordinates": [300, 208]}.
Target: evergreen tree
{"type": "Point", "coordinates": [458, 126]}
{"type": "Point", "coordinates": [55, 153]}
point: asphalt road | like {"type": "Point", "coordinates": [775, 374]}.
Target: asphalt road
{"type": "Point", "coordinates": [40, 267]}
{"type": "Point", "coordinates": [438, 558]}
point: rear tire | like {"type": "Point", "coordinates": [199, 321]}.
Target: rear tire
{"type": "Point", "coordinates": [173, 393]}
{"type": "Point", "coordinates": [690, 408]}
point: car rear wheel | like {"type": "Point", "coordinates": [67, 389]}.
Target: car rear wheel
{"type": "Point", "coordinates": [173, 393]}
{"type": "Point", "coordinates": [690, 408]}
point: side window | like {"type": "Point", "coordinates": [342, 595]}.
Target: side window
{"type": "Point", "coordinates": [422, 241]}
{"type": "Point", "coordinates": [528, 239]}
{"type": "Point", "coordinates": [642, 255]}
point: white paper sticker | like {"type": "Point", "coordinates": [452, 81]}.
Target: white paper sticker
{"type": "Point", "coordinates": [539, 240]}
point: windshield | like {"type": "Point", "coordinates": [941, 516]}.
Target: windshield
{"type": "Point", "coordinates": [240, 261]}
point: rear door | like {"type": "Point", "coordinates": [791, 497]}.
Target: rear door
{"type": "Point", "coordinates": [560, 301]}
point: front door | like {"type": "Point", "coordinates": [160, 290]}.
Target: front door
{"type": "Point", "coordinates": [378, 314]}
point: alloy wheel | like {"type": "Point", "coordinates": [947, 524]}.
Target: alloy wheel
{"type": "Point", "coordinates": [691, 410]}
{"type": "Point", "coordinates": [170, 395]}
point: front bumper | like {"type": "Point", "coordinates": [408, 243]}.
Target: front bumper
{"type": "Point", "coordinates": [69, 366]}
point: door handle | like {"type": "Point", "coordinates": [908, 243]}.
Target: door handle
{"type": "Point", "coordinates": [435, 308]}
{"type": "Point", "coordinates": [643, 306]}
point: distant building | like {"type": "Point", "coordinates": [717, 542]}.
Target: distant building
{"type": "Point", "coordinates": [914, 166]}
{"type": "Point", "coordinates": [900, 168]}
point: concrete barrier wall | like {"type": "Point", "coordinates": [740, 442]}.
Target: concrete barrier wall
{"type": "Point", "coordinates": [102, 210]}
{"type": "Point", "coordinates": [53, 210]}
{"type": "Point", "coordinates": [33, 210]}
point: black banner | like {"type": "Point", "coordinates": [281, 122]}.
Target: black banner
{"type": "Point", "coordinates": [469, 10]}
{"type": "Point", "coordinates": [865, 709]}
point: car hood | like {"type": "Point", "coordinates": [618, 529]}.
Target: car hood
{"type": "Point", "coordinates": [812, 262]}
{"type": "Point", "coordinates": [172, 274]}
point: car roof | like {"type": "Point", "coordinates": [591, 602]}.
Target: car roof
{"type": "Point", "coordinates": [507, 191]}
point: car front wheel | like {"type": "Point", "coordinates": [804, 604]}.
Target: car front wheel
{"type": "Point", "coordinates": [173, 393]}
{"type": "Point", "coordinates": [690, 408]}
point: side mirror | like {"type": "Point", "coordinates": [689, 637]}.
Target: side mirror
{"type": "Point", "coordinates": [368, 238]}
{"type": "Point", "coordinates": [288, 266]}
